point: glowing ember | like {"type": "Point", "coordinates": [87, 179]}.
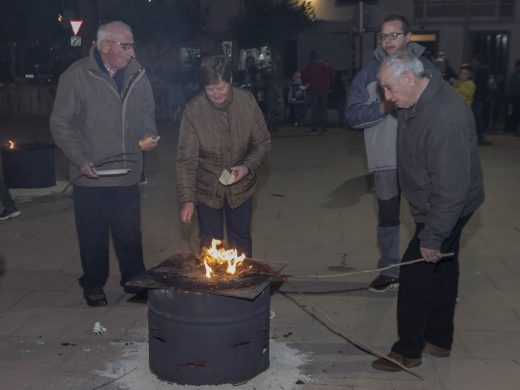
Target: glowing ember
{"type": "Point", "coordinates": [219, 257]}
{"type": "Point", "coordinates": [11, 144]}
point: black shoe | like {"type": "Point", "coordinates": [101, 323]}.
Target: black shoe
{"type": "Point", "coordinates": [383, 283]}
{"type": "Point", "coordinates": [8, 214]}
{"type": "Point", "coordinates": [95, 296]}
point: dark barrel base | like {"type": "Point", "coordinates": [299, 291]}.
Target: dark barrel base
{"type": "Point", "coordinates": [29, 166]}
{"type": "Point", "coordinates": [206, 339]}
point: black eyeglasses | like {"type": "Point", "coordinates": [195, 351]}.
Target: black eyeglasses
{"type": "Point", "coordinates": [390, 36]}
{"type": "Point", "coordinates": [123, 45]}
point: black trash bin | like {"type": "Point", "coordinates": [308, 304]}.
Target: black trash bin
{"type": "Point", "coordinates": [29, 165]}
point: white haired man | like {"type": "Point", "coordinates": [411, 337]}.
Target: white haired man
{"type": "Point", "coordinates": [441, 178]}
{"type": "Point", "coordinates": [104, 107]}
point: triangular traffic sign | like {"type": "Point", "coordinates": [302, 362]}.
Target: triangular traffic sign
{"type": "Point", "coordinates": [76, 25]}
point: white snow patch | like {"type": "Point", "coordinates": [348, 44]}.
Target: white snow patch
{"type": "Point", "coordinates": [283, 373]}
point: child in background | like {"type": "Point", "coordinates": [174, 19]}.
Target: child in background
{"type": "Point", "coordinates": [464, 83]}
{"type": "Point", "coordinates": [296, 97]}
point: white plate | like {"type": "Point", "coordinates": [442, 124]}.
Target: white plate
{"type": "Point", "coordinates": [113, 172]}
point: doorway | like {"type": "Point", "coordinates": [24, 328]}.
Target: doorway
{"type": "Point", "coordinates": [493, 49]}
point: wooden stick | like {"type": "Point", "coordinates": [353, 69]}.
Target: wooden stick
{"type": "Point", "coordinates": [367, 270]}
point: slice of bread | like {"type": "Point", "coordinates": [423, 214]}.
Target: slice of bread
{"type": "Point", "coordinates": [227, 178]}
{"type": "Point", "coordinates": [148, 141]}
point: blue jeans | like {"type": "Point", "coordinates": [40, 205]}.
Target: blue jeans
{"type": "Point", "coordinates": [238, 226]}
{"type": "Point", "coordinates": [389, 201]}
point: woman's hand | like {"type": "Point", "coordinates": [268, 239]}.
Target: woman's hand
{"type": "Point", "coordinates": [241, 172]}
{"type": "Point", "coordinates": [187, 212]}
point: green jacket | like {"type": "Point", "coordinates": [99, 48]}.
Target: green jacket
{"type": "Point", "coordinates": [212, 139]}
{"type": "Point", "coordinates": [91, 120]}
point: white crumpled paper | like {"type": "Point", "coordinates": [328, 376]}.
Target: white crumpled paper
{"type": "Point", "coordinates": [98, 328]}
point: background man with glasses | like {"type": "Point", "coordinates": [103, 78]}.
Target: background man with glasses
{"type": "Point", "coordinates": [103, 118]}
{"type": "Point", "coordinates": [367, 109]}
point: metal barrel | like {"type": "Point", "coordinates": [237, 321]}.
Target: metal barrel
{"type": "Point", "coordinates": [29, 166]}
{"type": "Point", "coordinates": [207, 339]}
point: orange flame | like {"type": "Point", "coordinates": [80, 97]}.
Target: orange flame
{"type": "Point", "coordinates": [219, 256]}
{"type": "Point", "coordinates": [11, 144]}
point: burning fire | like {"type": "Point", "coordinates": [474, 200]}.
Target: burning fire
{"type": "Point", "coordinates": [214, 257]}
{"type": "Point", "coordinates": [11, 144]}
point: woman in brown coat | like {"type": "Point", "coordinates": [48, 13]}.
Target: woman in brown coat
{"type": "Point", "coordinates": [222, 129]}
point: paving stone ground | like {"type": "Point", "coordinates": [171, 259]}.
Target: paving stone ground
{"type": "Point", "coordinates": [314, 211]}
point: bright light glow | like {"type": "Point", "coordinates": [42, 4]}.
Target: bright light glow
{"type": "Point", "coordinates": [424, 37]}
{"type": "Point", "coordinates": [11, 144]}
{"type": "Point", "coordinates": [214, 257]}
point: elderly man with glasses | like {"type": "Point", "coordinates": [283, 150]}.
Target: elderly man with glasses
{"type": "Point", "coordinates": [367, 109]}
{"type": "Point", "coordinates": [103, 118]}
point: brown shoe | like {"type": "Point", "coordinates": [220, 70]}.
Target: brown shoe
{"type": "Point", "coordinates": [386, 365]}
{"type": "Point", "coordinates": [436, 351]}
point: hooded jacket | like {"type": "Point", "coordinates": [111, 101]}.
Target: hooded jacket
{"type": "Point", "coordinates": [439, 164]}
{"type": "Point", "coordinates": [212, 139]}
{"type": "Point", "coordinates": [92, 120]}
{"type": "Point", "coordinates": [362, 112]}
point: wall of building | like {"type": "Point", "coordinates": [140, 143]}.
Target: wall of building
{"type": "Point", "coordinates": [450, 32]}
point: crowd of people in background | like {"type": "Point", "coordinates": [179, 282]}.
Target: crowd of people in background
{"type": "Point", "coordinates": [309, 93]}
{"type": "Point", "coordinates": [488, 93]}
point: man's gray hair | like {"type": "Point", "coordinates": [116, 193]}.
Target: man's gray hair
{"type": "Point", "coordinates": [106, 31]}
{"type": "Point", "coordinates": [401, 62]}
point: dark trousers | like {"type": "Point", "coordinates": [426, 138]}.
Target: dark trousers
{"type": "Point", "coordinates": [98, 211]}
{"type": "Point", "coordinates": [319, 102]}
{"type": "Point", "coordinates": [5, 197]}
{"type": "Point", "coordinates": [427, 294]}
{"type": "Point", "coordinates": [238, 225]}
{"type": "Point", "coordinates": [481, 116]}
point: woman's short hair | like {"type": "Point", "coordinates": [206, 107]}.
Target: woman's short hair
{"type": "Point", "coordinates": [215, 69]}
